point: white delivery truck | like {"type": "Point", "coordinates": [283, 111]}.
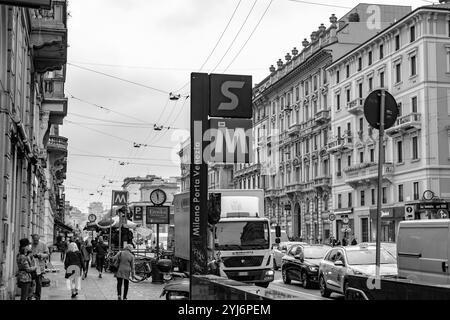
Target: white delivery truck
{"type": "Point", "coordinates": [240, 240]}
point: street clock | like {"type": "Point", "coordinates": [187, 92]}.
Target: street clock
{"type": "Point", "coordinates": [158, 197]}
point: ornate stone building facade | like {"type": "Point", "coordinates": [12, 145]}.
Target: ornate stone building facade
{"type": "Point", "coordinates": [292, 123]}
{"type": "Point", "coordinates": [411, 60]}
{"type": "Point", "coordinates": [33, 53]}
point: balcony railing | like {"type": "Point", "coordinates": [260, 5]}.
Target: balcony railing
{"type": "Point", "coordinates": [367, 174]}
{"type": "Point", "coordinates": [340, 144]}
{"type": "Point", "coordinates": [273, 192]}
{"type": "Point", "coordinates": [247, 170]}
{"type": "Point", "coordinates": [57, 144]}
{"type": "Point", "coordinates": [306, 127]}
{"type": "Point", "coordinates": [294, 129]}
{"type": "Point", "coordinates": [405, 123]}
{"type": "Point", "coordinates": [322, 116]}
{"type": "Point", "coordinates": [296, 187]}
{"type": "Point", "coordinates": [356, 106]}
{"type": "Point", "coordinates": [49, 36]}
{"type": "Point", "coordinates": [322, 181]}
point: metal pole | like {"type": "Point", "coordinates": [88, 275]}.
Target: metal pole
{"type": "Point", "coordinates": [110, 227]}
{"type": "Point", "coordinates": [380, 180]}
{"type": "Point", "coordinates": [157, 241]}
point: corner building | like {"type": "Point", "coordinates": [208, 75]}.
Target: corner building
{"type": "Point", "coordinates": [292, 123]}
{"type": "Point", "coordinates": [411, 60]}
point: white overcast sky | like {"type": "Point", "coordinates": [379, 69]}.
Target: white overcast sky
{"type": "Point", "coordinates": [158, 43]}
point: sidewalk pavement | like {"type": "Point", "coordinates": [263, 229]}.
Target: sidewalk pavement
{"type": "Point", "coordinates": [95, 288]}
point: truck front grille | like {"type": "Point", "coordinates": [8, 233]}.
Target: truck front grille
{"type": "Point", "coordinates": [252, 261]}
{"type": "Point", "coordinates": [257, 275]}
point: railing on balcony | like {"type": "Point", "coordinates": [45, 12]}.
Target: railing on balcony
{"type": "Point", "coordinates": [247, 170]}
{"type": "Point", "coordinates": [339, 144]}
{"type": "Point", "coordinates": [49, 36]}
{"type": "Point", "coordinates": [57, 143]}
{"type": "Point", "coordinates": [404, 123]}
{"type": "Point", "coordinates": [322, 181]}
{"type": "Point", "coordinates": [367, 173]}
{"type": "Point", "coordinates": [294, 129]}
{"type": "Point", "coordinates": [273, 192]}
{"type": "Point", "coordinates": [356, 106]}
{"type": "Point", "coordinates": [322, 116]}
{"type": "Point", "coordinates": [306, 127]}
{"type": "Point", "coordinates": [295, 187]}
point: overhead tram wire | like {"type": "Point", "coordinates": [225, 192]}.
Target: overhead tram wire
{"type": "Point", "coordinates": [119, 78]}
{"type": "Point", "coordinates": [120, 138]}
{"type": "Point", "coordinates": [321, 4]}
{"type": "Point", "coordinates": [217, 43]}
{"type": "Point", "coordinates": [237, 34]}
{"type": "Point", "coordinates": [249, 37]}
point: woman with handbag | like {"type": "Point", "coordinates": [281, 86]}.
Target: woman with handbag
{"type": "Point", "coordinates": [74, 265]}
{"type": "Point", "coordinates": [24, 279]}
{"type": "Point", "coordinates": [124, 262]}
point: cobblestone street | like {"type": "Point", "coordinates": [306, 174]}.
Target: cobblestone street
{"type": "Point", "coordinates": [94, 288]}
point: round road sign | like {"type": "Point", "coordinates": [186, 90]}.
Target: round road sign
{"type": "Point", "coordinates": [372, 106]}
{"type": "Point", "coordinates": [92, 217]}
{"type": "Point", "coordinates": [332, 217]}
{"type": "Point", "coordinates": [443, 213]}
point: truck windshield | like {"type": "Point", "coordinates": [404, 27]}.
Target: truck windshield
{"type": "Point", "coordinates": [245, 235]}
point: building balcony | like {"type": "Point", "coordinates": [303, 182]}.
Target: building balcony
{"type": "Point", "coordinates": [322, 116]}
{"type": "Point", "coordinates": [306, 127]}
{"type": "Point", "coordinates": [294, 129]}
{"type": "Point", "coordinates": [57, 145]}
{"type": "Point", "coordinates": [254, 168]}
{"type": "Point", "coordinates": [367, 173]}
{"type": "Point", "coordinates": [356, 106]}
{"type": "Point", "coordinates": [49, 37]}
{"type": "Point", "coordinates": [309, 186]}
{"type": "Point", "coordinates": [405, 123]}
{"type": "Point", "coordinates": [340, 144]}
{"type": "Point", "coordinates": [321, 182]}
{"type": "Point", "coordinates": [295, 187]}
{"type": "Point", "coordinates": [273, 192]}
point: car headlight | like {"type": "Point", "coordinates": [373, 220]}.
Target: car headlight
{"type": "Point", "coordinates": [313, 269]}
{"type": "Point", "coordinates": [269, 273]}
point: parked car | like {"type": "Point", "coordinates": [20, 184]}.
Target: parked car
{"type": "Point", "coordinates": [279, 250]}
{"type": "Point", "coordinates": [301, 263]}
{"type": "Point", "coordinates": [388, 246]}
{"type": "Point", "coordinates": [340, 262]}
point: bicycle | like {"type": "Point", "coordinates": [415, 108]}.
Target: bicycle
{"type": "Point", "coordinates": [142, 269]}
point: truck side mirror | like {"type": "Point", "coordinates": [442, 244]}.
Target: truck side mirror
{"type": "Point", "coordinates": [277, 231]}
{"type": "Point", "coordinates": [214, 208]}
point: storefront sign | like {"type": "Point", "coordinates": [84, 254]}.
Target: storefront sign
{"type": "Point", "coordinates": [388, 213]}
{"type": "Point", "coordinates": [39, 4]}
{"type": "Point", "coordinates": [433, 206]}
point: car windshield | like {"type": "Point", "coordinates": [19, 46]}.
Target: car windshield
{"type": "Point", "coordinates": [315, 252]}
{"type": "Point", "coordinates": [246, 235]}
{"type": "Point", "coordinates": [368, 256]}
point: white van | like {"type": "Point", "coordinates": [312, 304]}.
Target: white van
{"type": "Point", "coordinates": [423, 251]}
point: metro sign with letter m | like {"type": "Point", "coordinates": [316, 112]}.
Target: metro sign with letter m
{"type": "Point", "coordinates": [119, 198]}
{"type": "Point", "coordinates": [230, 96]}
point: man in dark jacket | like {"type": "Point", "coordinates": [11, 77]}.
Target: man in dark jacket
{"type": "Point", "coordinates": [101, 249]}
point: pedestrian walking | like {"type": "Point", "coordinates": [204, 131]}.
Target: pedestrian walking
{"type": "Point", "coordinates": [74, 267]}
{"type": "Point", "coordinates": [86, 258]}
{"type": "Point", "coordinates": [125, 270]}
{"type": "Point", "coordinates": [40, 254]}
{"type": "Point", "coordinates": [25, 269]}
{"type": "Point", "coordinates": [344, 241]}
{"type": "Point", "coordinates": [63, 249]}
{"type": "Point", "coordinates": [101, 249]}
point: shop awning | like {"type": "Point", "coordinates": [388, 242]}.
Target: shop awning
{"type": "Point", "coordinates": [62, 226]}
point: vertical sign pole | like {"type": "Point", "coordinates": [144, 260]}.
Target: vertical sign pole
{"type": "Point", "coordinates": [157, 241]}
{"type": "Point", "coordinates": [198, 179]}
{"type": "Point", "coordinates": [380, 180]}
{"type": "Point", "coordinates": [110, 227]}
